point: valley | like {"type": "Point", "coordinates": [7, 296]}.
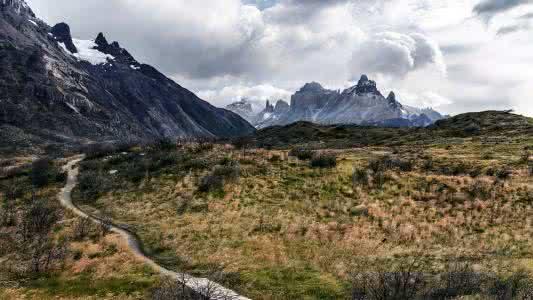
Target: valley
{"type": "Point", "coordinates": [276, 224]}
{"type": "Point", "coordinates": [118, 183]}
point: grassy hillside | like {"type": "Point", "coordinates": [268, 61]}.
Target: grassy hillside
{"type": "Point", "coordinates": [322, 225]}
{"type": "Point", "coordinates": [489, 126]}
{"type": "Point", "coordinates": [318, 212]}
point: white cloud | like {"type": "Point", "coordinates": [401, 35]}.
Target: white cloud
{"type": "Point", "coordinates": [257, 94]}
{"type": "Point", "coordinates": [397, 54]}
{"type": "Point", "coordinates": [423, 100]}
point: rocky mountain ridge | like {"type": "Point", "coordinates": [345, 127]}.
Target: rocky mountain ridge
{"type": "Point", "coordinates": [57, 89]}
{"type": "Point", "coordinates": [362, 104]}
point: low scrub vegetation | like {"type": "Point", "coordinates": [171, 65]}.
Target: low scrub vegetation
{"type": "Point", "coordinates": [324, 160]}
{"type": "Point", "coordinates": [424, 221]}
{"type": "Point", "coordinates": [301, 153]}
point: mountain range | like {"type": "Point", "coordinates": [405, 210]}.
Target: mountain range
{"type": "Point", "coordinates": [362, 104]}
{"type": "Point", "coordinates": [58, 89]}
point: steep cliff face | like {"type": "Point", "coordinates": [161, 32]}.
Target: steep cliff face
{"type": "Point", "coordinates": [243, 108]}
{"type": "Point", "coordinates": [59, 89]}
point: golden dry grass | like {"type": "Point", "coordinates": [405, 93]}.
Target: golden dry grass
{"type": "Point", "coordinates": [288, 229]}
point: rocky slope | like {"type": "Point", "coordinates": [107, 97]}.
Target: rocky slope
{"type": "Point", "coordinates": [243, 108]}
{"type": "Point", "coordinates": [54, 88]}
{"type": "Point", "coordinates": [361, 104]}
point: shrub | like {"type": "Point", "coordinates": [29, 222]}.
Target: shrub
{"type": "Point", "coordinates": [459, 280]}
{"type": "Point", "coordinates": [228, 173]}
{"type": "Point", "coordinates": [274, 158]}
{"type": "Point", "coordinates": [503, 174]}
{"type": "Point", "coordinates": [360, 177]}
{"type": "Point", "coordinates": [243, 143]}
{"type": "Point", "coordinates": [427, 165]}
{"type": "Point", "coordinates": [487, 156]}
{"type": "Point", "coordinates": [479, 189]}
{"type": "Point", "coordinates": [98, 150]}
{"type": "Point", "coordinates": [196, 164]}
{"type": "Point", "coordinates": [387, 163]}
{"type": "Point", "coordinates": [403, 283]}
{"type": "Point", "coordinates": [379, 179]}
{"type": "Point", "coordinates": [91, 185]}
{"type": "Point", "coordinates": [301, 153]}
{"type": "Point", "coordinates": [40, 172]}
{"type": "Point", "coordinates": [81, 229]}
{"type": "Point", "coordinates": [324, 161]}
{"type": "Point", "coordinates": [165, 144]}
{"type": "Point", "coordinates": [211, 183]}
{"type": "Point", "coordinates": [203, 147]}
{"type": "Point", "coordinates": [517, 286]}
{"type": "Point", "coordinates": [134, 172]}
{"type": "Point", "coordinates": [360, 210]}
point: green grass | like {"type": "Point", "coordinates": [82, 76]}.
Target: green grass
{"type": "Point", "coordinates": [294, 283]}
{"type": "Point", "coordinates": [85, 285]}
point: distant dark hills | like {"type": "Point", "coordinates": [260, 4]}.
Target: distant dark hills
{"type": "Point", "coordinates": [492, 127]}
{"type": "Point", "coordinates": [362, 104]}
{"type": "Point", "coordinates": [56, 89]}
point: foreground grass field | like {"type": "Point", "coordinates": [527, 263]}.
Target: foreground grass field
{"type": "Point", "coordinates": [55, 255]}
{"type": "Point", "coordinates": [286, 230]}
{"type": "Point", "coordinates": [301, 212]}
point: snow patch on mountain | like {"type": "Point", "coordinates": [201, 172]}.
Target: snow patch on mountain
{"type": "Point", "coordinates": [88, 53]}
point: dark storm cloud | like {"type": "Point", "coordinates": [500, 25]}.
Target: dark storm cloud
{"type": "Point", "coordinates": [452, 49]}
{"type": "Point", "coordinates": [196, 45]}
{"type": "Point", "coordinates": [512, 29]}
{"type": "Point", "coordinates": [489, 8]}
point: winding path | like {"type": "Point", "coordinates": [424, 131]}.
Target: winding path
{"type": "Point", "coordinates": [203, 286]}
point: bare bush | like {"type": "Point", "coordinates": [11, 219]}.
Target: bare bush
{"type": "Point", "coordinates": [230, 173]}
{"type": "Point", "coordinates": [171, 289]}
{"type": "Point", "coordinates": [186, 288]}
{"type": "Point", "coordinates": [301, 153]}
{"type": "Point", "coordinates": [36, 245]}
{"type": "Point", "coordinates": [517, 286]}
{"type": "Point", "coordinates": [82, 229]}
{"type": "Point", "coordinates": [210, 183]}
{"type": "Point", "coordinates": [243, 143]}
{"type": "Point", "coordinates": [403, 283]}
{"type": "Point", "coordinates": [105, 225]}
{"type": "Point", "coordinates": [360, 177]}
{"type": "Point", "coordinates": [460, 279]}
{"type": "Point", "coordinates": [387, 163]}
{"type": "Point", "coordinates": [40, 172]}
{"type": "Point", "coordinates": [324, 160]}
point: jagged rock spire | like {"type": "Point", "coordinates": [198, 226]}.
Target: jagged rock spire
{"type": "Point", "coordinates": [366, 86]}
{"type": "Point", "coordinates": [61, 32]}
{"type": "Point", "coordinates": [101, 40]}
{"type": "Point", "coordinates": [391, 97]}
{"type": "Point", "coordinates": [269, 107]}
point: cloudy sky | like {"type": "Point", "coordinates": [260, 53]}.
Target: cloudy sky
{"type": "Point", "coordinates": [453, 55]}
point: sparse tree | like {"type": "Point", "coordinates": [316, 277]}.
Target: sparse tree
{"type": "Point", "coordinates": [40, 171]}
{"type": "Point", "coordinates": [106, 224]}
{"type": "Point", "coordinates": [81, 229]}
{"type": "Point", "coordinates": [35, 243]}
{"type": "Point", "coordinates": [243, 143]}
